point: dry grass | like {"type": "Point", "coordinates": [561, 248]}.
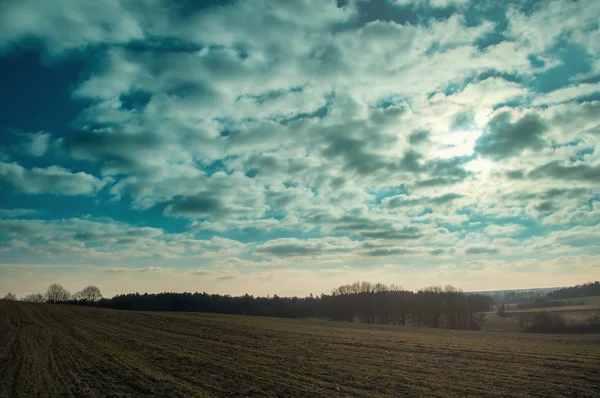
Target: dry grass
{"type": "Point", "coordinates": [564, 308]}
{"type": "Point", "coordinates": [54, 350]}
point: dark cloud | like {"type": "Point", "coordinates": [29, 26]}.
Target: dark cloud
{"type": "Point", "coordinates": [544, 207]}
{"type": "Point", "coordinates": [383, 116]}
{"type": "Point", "coordinates": [481, 250]}
{"type": "Point", "coordinates": [503, 139]}
{"type": "Point", "coordinates": [349, 223]}
{"type": "Point", "coordinates": [123, 237]}
{"type": "Point", "coordinates": [305, 247]}
{"type": "Point", "coordinates": [515, 174]}
{"type": "Point", "coordinates": [406, 201]}
{"type": "Point", "coordinates": [16, 228]}
{"type": "Point", "coordinates": [584, 114]}
{"type": "Point", "coordinates": [405, 233]}
{"type": "Point", "coordinates": [446, 198]}
{"type": "Point", "coordinates": [357, 157]}
{"type": "Point", "coordinates": [288, 250]}
{"type": "Point", "coordinates": [418, 137]}
{"type": "Point", "coordinates": [411, 162]}
{"type": "Point", "coordinates": [554, 170]}
{"type": "Point", "coordinates": [446, 171]}
{"type": "Point", "coordinates": [196, 206]}
{"type": "Point", "coordinates": [464, 120]}
{"type": "Point", "coordinates": [383, 252]}
{"type": "Point", "coordinates": [549, 194]}
{"type": "Point", "coordinates": [135, 100]}
{"type": "Point", "coordinates": [113, 145]}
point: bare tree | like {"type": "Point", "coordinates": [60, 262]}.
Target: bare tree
{"type": "Point", "coordinates": [89, 293]}
{"type": "Point", "coordinates": [9, 296]}
{"type": "Point", "coordinates": [35, 298]}
{"type": "Point", "coordinates": [56, 293]}
{"type": "Point", "coordinates": [501, 310]}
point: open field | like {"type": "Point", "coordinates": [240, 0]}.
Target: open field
{"type": "Point", "coordinates": [494, 322]}
{"type": "Point", "coordinates": [591, 303]}
{"type": "Point", "coordinates": [59, 350]}
{"type": "Point", "coordinates": [576, 314]}
{"type": "Point", "coordinates": [558, 309]}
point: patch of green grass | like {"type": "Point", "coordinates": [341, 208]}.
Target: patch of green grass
{"type": "Point", "coordinates": [58, 350]}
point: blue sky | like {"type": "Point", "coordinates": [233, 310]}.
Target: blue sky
{"type": "Point", "coordinates": [289, 147]}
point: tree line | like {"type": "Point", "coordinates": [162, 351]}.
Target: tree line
{"type": "Point", "coordinates": [58, 294]}
{"type": "Point", "coordinates": [434, 306]}
{"type": "Point", "coordinates": [362, 302]}
{"type": "Point", "coordinates": [578, 291]}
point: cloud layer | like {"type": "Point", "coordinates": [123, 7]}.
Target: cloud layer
{"type": "Point", "coordinates": [354, 136]}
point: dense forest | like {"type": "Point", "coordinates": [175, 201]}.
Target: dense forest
{"type": "Point", "coordinates": [364, 302]}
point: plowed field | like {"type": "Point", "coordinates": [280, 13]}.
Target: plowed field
{"type": "Point", "coordinates": [58, 350]}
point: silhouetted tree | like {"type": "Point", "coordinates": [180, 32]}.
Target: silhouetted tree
{"type": "Point", "coordinates": [35, 298]}
{"type": "Point", "coordinates": [88, 293]}
{"type": "Point", "coordinates": [56, 293]}
{"type": "Point", "coordinates": [10, 297]}
{"type": "Point", "coordinates": [364, 302]}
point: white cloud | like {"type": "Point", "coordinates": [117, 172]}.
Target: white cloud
{"type": "Point", "coordinates": [503, 230]}
{"type": "Point", "coordinates": [286, 247]}
{"type": "Point", "coordinates": [105, 241]}
{"type": "Point", "coordinates": [68, 24]}
{"type": "Point", "coordinates": [53, 179]}
{"type": "Point", "coordinates": [12, 213]}
{"type": "Point", "coordinates": [432, 3]}
{"type": "Point", "coordinates": [364, 142]}
{"type": "Point", "coordinates": [540, 29]}
{"type": "Point", "coordinates": [567, 93]}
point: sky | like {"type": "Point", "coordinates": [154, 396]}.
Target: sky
{"type": "Point", "coordinates": [288, 147]}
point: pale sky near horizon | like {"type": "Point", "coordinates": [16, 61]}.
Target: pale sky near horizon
{"type": "Point", "coordinates": [288, 147]}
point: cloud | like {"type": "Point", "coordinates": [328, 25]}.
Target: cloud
{"type": "Point", "coordinates": [117, 270]}
{"type": "Point", "coordinates": [39, 144]}
{"type": "Point", "coordinates": [503, 139]}
{"type": "Point", "coordinates": [226, 196]}
{"type": "Point", "coordinates": [503, 230]}
{"type": "Point", "coordinates": [13, 213]}
{"type": "Point", "coordinates": [578, 172]}
{"type": "Point", "coordinates": [306, 247]}
{"type": "Point", "coordinates": [432, 3]}
{"type": "Point", "coordinates": [418, 137]}
{"type": "Point", "coordinates": [195, 206]}
{"type": "Point", "coordinates": [107, 241]}
{"type": "Point", "coordinates": [404, 233]}
{"type": "Point", "coordinates": [82, 25]}
{"type": "Point", "coordinates": [480, 93]}
{"type": "Point", "coordinates": [387, 251]}
{"type": "Point", "coordinates": [477, 250]}
{"type": "Point", "coordinates": [568, 94]}
{"type": "Point", "coordinates": [53, 179]}
{"type": "Point", "coordinates": [309, 134]}
{"type": "Point", "coordinates": [409, 201]}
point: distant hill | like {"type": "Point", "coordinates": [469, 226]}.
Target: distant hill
{"type": "Point", "coordinates": [517, 296]}
{"type": "Point", "coordinates": [543, 297]}
{"type": "Point", "coordinates": [540, 290]}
